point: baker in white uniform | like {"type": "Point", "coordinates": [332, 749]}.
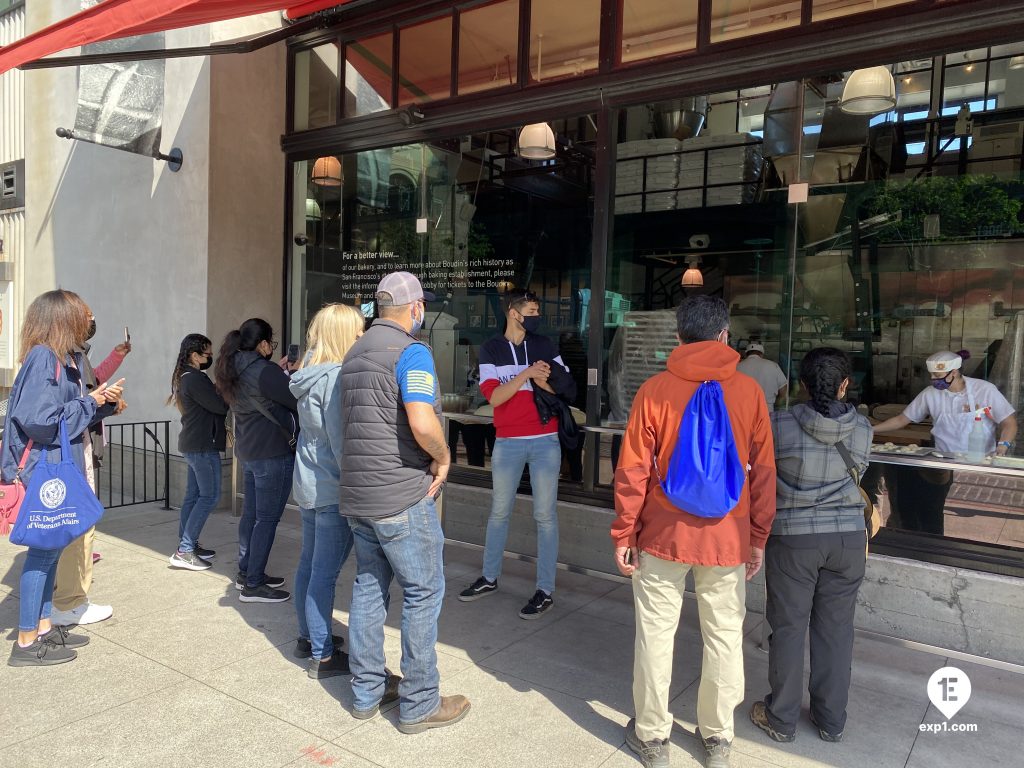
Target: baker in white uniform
{"type": "Point", "coordinates": [952, 401]}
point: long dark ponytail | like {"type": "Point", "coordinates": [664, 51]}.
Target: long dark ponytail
{"type": "Point", "coordinates": [194, 342]}
{"type": "Point", "coordinates": [822, 372]}
{"type": "Point", "coordinates": [245, 339]}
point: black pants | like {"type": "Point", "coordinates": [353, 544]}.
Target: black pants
{"type": "Point", "coordinates": [917, 498]}
{"type": "Point", "coordinates": [812, 579]}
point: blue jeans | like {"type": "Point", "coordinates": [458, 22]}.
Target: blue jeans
{"type": "Point", "coordinates": [407, 546]}
{"type": "Point", "coordinates": [510, 455]}
{"type": "Point", "coordinates": [37, 587]}
{"type": "Point", "coordinates": [267, 485]}
{"type": "Point", "coordinates": [326, 542]}
{"type": "Point", "coordinates": [202, 492]}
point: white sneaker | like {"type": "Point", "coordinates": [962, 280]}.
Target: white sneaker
{"type": "Point", "coordinates": [86, 613]}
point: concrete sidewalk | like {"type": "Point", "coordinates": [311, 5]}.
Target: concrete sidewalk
{"type": "Point", "coordinates": [186, 675]}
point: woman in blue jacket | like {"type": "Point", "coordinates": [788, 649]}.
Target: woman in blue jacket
{"type": "Point", "coordinates": [266, 428]}
{"type": "Point", "coordinates": [49, 388]}
{"type": "Point", "coordinates": [326, 536]}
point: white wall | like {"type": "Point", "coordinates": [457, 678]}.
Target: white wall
{"type": "Point", "coordinates": [133, 238]}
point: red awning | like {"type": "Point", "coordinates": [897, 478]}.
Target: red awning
{"type": "Point", "coordinates": [113, 19]}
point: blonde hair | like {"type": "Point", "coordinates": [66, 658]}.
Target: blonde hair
{"type": "Point", "coordinates": [56, 319]}
{"type": "Point", "coordinates": [332, 333]}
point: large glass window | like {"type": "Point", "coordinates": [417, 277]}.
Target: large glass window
{"type": "Point", "coordinates": [565, 38]}
{"type": "Point", "coordinates": [889, 261]}
{"type": "Point", "coordinates": [475, 221]}
{"type": "Point", "coordinates": [317, 90]}
{"type": "Point", "coordinates": [831, 9]}
{"type": "Point", "coordinates": [425, 61]}
{"type": "Point", "coordinates": [732, 19]}
{"type": "Point", "coordinates": [489, 46]}
{"type": "Point", "coordinates": [652, 28]}
{"type": "Point", "coordinates": [368, 75]}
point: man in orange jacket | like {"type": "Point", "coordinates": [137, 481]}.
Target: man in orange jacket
{"type": "Point", "coordinates": [658, 544]}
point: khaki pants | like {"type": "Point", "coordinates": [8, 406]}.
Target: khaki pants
{"type": "Point", "coordinates": [74, 573]}
{"type": "Point", "coordinates": [658, 588]}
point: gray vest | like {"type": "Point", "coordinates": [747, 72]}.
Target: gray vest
{"type": "Point", "coordinates": [383, 468]}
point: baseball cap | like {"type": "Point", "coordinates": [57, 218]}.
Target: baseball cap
{"type": "Point", "coordinates": [404, 288]}
{"type": "Point", "coordinates": [943, 362]}
{"type": "Point", "coordinates": [755, 346]}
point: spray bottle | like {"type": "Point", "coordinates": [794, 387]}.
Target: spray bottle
{"type": "Point", "coordinates": [977, 441]}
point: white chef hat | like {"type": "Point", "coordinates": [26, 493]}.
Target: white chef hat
{"type": "Point", "coordinates": [943, 362]}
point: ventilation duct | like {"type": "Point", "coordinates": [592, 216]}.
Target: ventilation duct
{"type": "Point", "coordinates": [680, 118]}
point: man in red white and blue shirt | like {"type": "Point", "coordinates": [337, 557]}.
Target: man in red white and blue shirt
{"type": "Point", "coordinates": [511, 365]}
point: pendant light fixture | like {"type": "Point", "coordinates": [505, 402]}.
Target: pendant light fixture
{"type": "Point", "coordinates": [537, 142]}
{"type": "Point", "coordinates": [869, 91]}
{"type": "Point", "coordinates": [326, 172]}
{"type": "Point", "coordinates": [1016, 62]}
{"type": "Point", "coordinates": [312, 209]}
{"type": "Point", "coordinates": [693, 277]}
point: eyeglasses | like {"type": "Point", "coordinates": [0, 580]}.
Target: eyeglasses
{"type": "Point", "coordinates": [273, 345]}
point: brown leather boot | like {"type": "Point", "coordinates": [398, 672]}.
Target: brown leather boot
{"type": "Point", "coordinates": [452, 709]}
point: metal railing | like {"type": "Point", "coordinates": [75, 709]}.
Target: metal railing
{"type": "Point", "coordinates": [136, 466]}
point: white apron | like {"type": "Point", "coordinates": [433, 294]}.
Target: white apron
{"type": "Point", "coordinates": [952, 428]}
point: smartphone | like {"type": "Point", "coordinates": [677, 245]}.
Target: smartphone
{"type": "Point", "coordinates": [293, 353]}
{"type": "Point", "coordinates": [127, 336]}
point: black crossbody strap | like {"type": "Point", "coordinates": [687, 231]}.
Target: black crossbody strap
{"type": "Point", "coordinates": [256, 404]}
{"type": "Point", "coordinates": [851, 467]}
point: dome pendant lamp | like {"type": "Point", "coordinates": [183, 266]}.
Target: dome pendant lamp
{"type": "Point", "coordinates": [870, 91]}
{"type": "Point", "coordinates": [326, 172]}
{"type": "Point", "coordinates": [537, 142]}
{"type": "Point", "coordinates": [693, 277]}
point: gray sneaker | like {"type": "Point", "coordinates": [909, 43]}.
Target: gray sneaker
{"type": "Point", "coordinates": [716, 752]}
{"type": "Point", "coordinates": [653, 754]}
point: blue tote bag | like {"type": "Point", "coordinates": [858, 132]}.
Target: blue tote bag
{"type": "Point", "coordinates": [705, 475]}
{"type": "Point", "coordinates": [59, 505]}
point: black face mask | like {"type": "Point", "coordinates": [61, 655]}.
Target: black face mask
{"type": "Point", "coordinates": [206, 364]}
{"type": "Point", "coordinates": [92, 329]}
{"type": "Point", "coordinates": [531, 323]}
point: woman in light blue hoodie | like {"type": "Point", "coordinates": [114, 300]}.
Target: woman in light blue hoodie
{"type": "Point", "coordinates": [326, 537]}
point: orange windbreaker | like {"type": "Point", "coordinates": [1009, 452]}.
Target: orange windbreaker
{"type": "Point", "coordinates": [645, 517]}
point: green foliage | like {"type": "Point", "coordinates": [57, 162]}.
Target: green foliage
{"type": "Point", "coordinates": [967, 206]}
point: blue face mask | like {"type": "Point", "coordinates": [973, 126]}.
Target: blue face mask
{"type": "Point", "coordinates": [941, 384]}
{"type": "Point", "coordinates": [417, 324]}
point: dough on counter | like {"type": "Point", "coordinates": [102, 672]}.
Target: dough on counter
{"type": "Point", "coordinates": [913, 447]}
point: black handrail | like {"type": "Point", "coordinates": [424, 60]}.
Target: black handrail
{"type": "Point", "coordinates": [141, 447]}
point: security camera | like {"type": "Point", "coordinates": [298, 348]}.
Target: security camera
{"type": "Point", "coordinates": [700, 241]}
{"type": "Point", "coordinates": [301, 240]}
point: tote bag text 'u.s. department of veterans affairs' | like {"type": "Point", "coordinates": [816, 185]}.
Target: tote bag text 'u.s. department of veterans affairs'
{"type": "Point", "coordinates": [59, 505]}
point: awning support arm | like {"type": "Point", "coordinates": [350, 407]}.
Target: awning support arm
{"type": "Point", "coordinates": [173, 160]}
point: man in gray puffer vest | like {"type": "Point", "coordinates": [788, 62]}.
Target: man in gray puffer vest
{"type": "Point", "coordinates": [393, 467]}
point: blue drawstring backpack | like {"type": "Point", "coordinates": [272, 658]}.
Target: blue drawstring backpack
{"type": "Point", "coordinates": [59, 505]}
{"type": "Point", "coordinates": [705, 475]}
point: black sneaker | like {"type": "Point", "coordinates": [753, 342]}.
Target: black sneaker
{"type": "Point", "coordinates": [264, 593]}
{"type": "Point", "coordinates": [759, 717]}
{"type": "Point", "coordinates": [304, 649]}
{"type": "Point", "coordinates": [390, 696]}
{"type": "Point", "coordinates": [189, 561]}
{"type": "Point", "coordinates": [61, 636]}
{"type": "Point", "coordinates": [478, 589]}
{"type": "Point", "coordinates": [203, 552]}
{"type": "Point", "coordinates": [274, 582]}
{"type": "Point", "coordinates": [652, 754]}
{"type": "Point", "coordinates": [337, 664]}
{"type": "Point", "coordinates": [539, 604]}
{"type": "Point", "coordinates": [42, 653]}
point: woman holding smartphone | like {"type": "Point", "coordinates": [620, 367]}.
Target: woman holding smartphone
{"type": "Point", "coordinates": [201, 441]}
{"type": "Point", "coordinates": [266, 430]}
{"type": "Point", "coordinates": [49, 389]}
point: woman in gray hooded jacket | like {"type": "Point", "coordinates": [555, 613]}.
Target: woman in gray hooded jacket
{"type": "Point", "coordinates": [326, 536]}
{"type": "Point", "coordinates": [815, 557]}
